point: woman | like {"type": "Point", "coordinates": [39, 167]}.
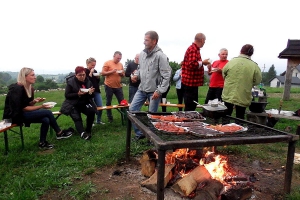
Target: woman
{"type": "Point", "coordinates": [79, 99]}
{"type": "Point", "coordinates": [90, 70]}
{"type": "Point", "coordinates": [179, 91]}
{"type": "Point", "coordinates": [20, 106]}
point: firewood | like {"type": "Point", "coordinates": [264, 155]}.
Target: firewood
{"type": "Point", "coordinates": [211, 191]}
{"type": "Point", "coordinates": [189, 183]}
{"type": "Point", "coordinates": [151, 183]}
{"type": "Point", "coordinates": [237, 194]}
{"type": "Point", "coordinates": [148, 163]}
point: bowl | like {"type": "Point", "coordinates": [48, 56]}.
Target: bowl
{"type": "Point", "coordinates": [257, 107]}
{"type": "Point", "coordinates": [214, 104]}
{"type": "Point", "coordinates": [119, 71]}
{"type": "Point", "coordinates": [50, 104]}
{"type": "Point", "coordinates": [96, 74]}
{"type": "Point", "coordinates": [84, 90]}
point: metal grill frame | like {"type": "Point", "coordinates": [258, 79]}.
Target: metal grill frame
{"type": "Point", "coordinates": [162, 146]}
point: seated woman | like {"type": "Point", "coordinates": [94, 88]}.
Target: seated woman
{"type": "Point", "coordinates": [20, 107]}
{"type": "Point", "coordinates": [79, 96]}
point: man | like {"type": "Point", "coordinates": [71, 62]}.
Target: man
{"type": "Point", "coordinates": [216, 79]}
{"type": "Point", "coordinates": [154, 74]}
{"type": "Point", "coordinates": [192, 75]}
{"type": "Point", "coordinates": [131, 68]}
{"type": "Point", "coordinates": [240, 75]}
{"type": "Point", "coordinates": [113, 72]}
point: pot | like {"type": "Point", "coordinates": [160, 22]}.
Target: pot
{"type": "Point", "coordinates": [257, 107]}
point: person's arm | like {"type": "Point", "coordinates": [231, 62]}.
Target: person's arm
{"type": "Point", "coordinates": [257, 76]}
{"type": "Point", "coordinates": [176, 76]}
{"type": "Point", "coordinates": [128, 71]}
{"type": "Point", "coordinates": [106, 70]}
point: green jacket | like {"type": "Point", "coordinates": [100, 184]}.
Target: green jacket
{"type": "Point", "coordinates": [240, 75]}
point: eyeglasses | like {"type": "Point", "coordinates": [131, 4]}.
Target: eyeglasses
{"type": "Point", "coordinates": [81, 75]}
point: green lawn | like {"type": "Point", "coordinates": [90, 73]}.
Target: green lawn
{"type": "Point", "coordinates": [29, 173]}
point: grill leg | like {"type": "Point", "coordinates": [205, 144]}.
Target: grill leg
{"type": "Point", "coordinates": [161, 174]}
{"type": "Point", "coordinates": [289, 167]}
{"type": "Point", "coordinates": [128, 138]}
{"type": "Point", "coordinates": [5, 142]}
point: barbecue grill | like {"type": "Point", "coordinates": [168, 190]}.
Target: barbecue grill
{"type": "Point", "coordinates": [164, 141]}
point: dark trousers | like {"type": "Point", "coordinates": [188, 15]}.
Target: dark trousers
{"type": "Point", "coordinates": [190, 94]}
{"type": "Point", "coordinates": [239, 110]}
{"type": "Point", "coordinates": [76, 117]}
{"type": "Point", "coordinates": [118, 92]}
{"type": "Point", "coordinates": [179, 97]}
{"type": "Point", "coordinates": [213, 93]}
{"type": "Point", "coordinates": [164, 95]}
{"type": "Point", "coordinates": [45, 117]}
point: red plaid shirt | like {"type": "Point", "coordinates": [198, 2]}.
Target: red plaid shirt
{"type": "Point", "coordinates": [192, 74]}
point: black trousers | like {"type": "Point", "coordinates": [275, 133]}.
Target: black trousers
{"type": "Point", "coordinates": [190, 94]}
{"type": "Point", "coordinates": [179, 97]}
{"type": "Point", "coordinates": [164, 95]}
{"type": "Point", "coordinates": [239, 110]}
{"type": "Point", "coordinates": [213, 93]}
{"type": "Point", "coordinates": [75, 114]}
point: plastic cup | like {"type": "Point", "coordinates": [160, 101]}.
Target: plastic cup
{"type": "Point", "coordinates": [164, 100]}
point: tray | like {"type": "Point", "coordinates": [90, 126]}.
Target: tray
{"type": "Point", "coordinates": [169, 127]}
{"type": "Point", "coordinates": [190, 115]}
{"type": "Point", "coordinates": [218, 128]}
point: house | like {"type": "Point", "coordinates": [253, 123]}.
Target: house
{"type": "Point", "coordinates": [279, 81]}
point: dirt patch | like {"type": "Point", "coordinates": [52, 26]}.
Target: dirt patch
{"type": "Point", "coordinates": [122, 181]}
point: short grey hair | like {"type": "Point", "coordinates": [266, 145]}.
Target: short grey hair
{"type": "Point", "coordinates": [223, 49]}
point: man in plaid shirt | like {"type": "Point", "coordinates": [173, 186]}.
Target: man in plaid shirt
{"type": "Point", "coordinates": [193, 72]}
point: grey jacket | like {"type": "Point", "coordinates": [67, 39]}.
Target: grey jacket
{"type": "Point", "coordinates": [154, 71]}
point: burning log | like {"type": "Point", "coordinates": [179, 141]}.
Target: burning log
{"type": "Point", "coordinates": [148, 163]}
{"type": "Point", "coordinates": [189, 183]}
{"type": "Point", "coordinates": [151, 183]}
{"type": "Point", "coordinates": [211, 191]}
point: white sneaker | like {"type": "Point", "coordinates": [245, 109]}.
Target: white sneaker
{"type": "Point", "coordinates": [102, 123]}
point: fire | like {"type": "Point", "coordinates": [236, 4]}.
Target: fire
{"type": "Point", "coordinates": [216, 165]}
{"type": "Point", "coordinates": [217, 168]}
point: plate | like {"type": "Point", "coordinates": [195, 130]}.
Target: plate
{"type": "Point", "coordinates": [50, 104]}
{"type": "Point", "coordinates": [84, 90]}
{"type": "Point", "coordinates": [96, 74]}
{"type": "Point", "coordinates": [119, 71]}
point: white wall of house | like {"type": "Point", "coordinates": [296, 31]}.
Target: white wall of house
{"type": "Point", "coordinates": [275, 83]}
{"type": "Point", "coordinates": [296, 73]}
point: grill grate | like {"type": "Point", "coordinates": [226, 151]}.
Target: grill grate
{"type": "Point", "coordinates": [253, 130]}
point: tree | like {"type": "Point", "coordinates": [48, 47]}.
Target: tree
{"type": "Point", "coordinates": [4, 77]}
{"type": "Point", "coordinates": [267, 76]}
{"type": "Point", "coordinates": [40, 79]}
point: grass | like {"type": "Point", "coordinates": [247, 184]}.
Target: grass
{"type": "Point", "coordinates": [30, 173]}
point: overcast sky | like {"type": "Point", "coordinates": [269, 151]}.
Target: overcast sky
{"type": "Point", "coordinates": [58, 35]}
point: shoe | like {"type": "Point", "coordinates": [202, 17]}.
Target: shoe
{"type": "Point", "coordinates": [64, 134]}
{"type": "Point", "coordinates": [102, 123]}
{"type": "Point", "coordinates": [137, 138]}
{"type": "Point", "coordinates": [85, 136]}
{"type": "Point", "coordinates": [45, 145]}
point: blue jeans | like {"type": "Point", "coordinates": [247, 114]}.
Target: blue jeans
{"type": "Point", "coordinates": [98, 102]}
{"type": "Point", "coordinates": [46, 118]}
{"type": "Point", "coordinates": [109, 93]}
{"type": "Point", "coordinates": [132, 91]}
{"type": "Point", "coordinates": [138, 101]}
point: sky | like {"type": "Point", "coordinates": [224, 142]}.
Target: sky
{"type": "Point", "coordinates": [58, 35]}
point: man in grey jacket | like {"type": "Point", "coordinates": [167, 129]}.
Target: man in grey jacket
{"type": "Point", "coordinates": [154, 74]}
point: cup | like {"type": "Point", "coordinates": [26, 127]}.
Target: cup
{"type": "Point", "coordinates": [7, 122]}
{"type": "Point", "coordinates": [168, 102]}
{"type": "Point", "coordinates": [164, 100]}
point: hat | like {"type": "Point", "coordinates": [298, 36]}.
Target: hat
{"type": "Point", "coordinates": [247, 49]}
{"type": "Point", "coordinates": [124, 102]}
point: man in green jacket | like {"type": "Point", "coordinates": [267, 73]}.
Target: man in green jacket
{"type": "Point", "coordinates": [240, 75]}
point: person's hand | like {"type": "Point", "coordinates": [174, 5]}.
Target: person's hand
{"type": "Point", "coordinates": [155, 95]}
{"type": "Point", "coordinates": [91, 90]}
{"type": "Point", "coordinates": [208, 67]}
{"type": "Point", "coordinates": [114, 71]}
{"type": "Point", "coordinates": [206, 61]}
{"type": "Point", "coordinates": [134, 78]}
{"type": "Point", "coordinates": [80, 93]}
{"type": "Point", "coordinates": [38, 99]}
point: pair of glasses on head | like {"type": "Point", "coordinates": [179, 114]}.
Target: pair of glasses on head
{"type": "Point", "coordinates": [81, 75]}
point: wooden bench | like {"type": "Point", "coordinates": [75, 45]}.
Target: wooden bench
{"type": "Point", "coordinates": [10, 128]}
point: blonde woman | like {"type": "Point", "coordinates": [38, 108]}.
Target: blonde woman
{"type": "Point", "coordinates": [20, 106]}
{"type": "Point", "coordinates": [94, 77]}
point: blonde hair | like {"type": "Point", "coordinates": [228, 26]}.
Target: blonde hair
{"type": "Point", "coordinates": [22, 79]}
{"type": "Point", "coordinates": [90, 59]}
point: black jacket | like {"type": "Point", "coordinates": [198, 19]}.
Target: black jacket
{"type": "Point", "coordinates": [72, 98]}
{"type": "Point", "coordinates": [16, 100]}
